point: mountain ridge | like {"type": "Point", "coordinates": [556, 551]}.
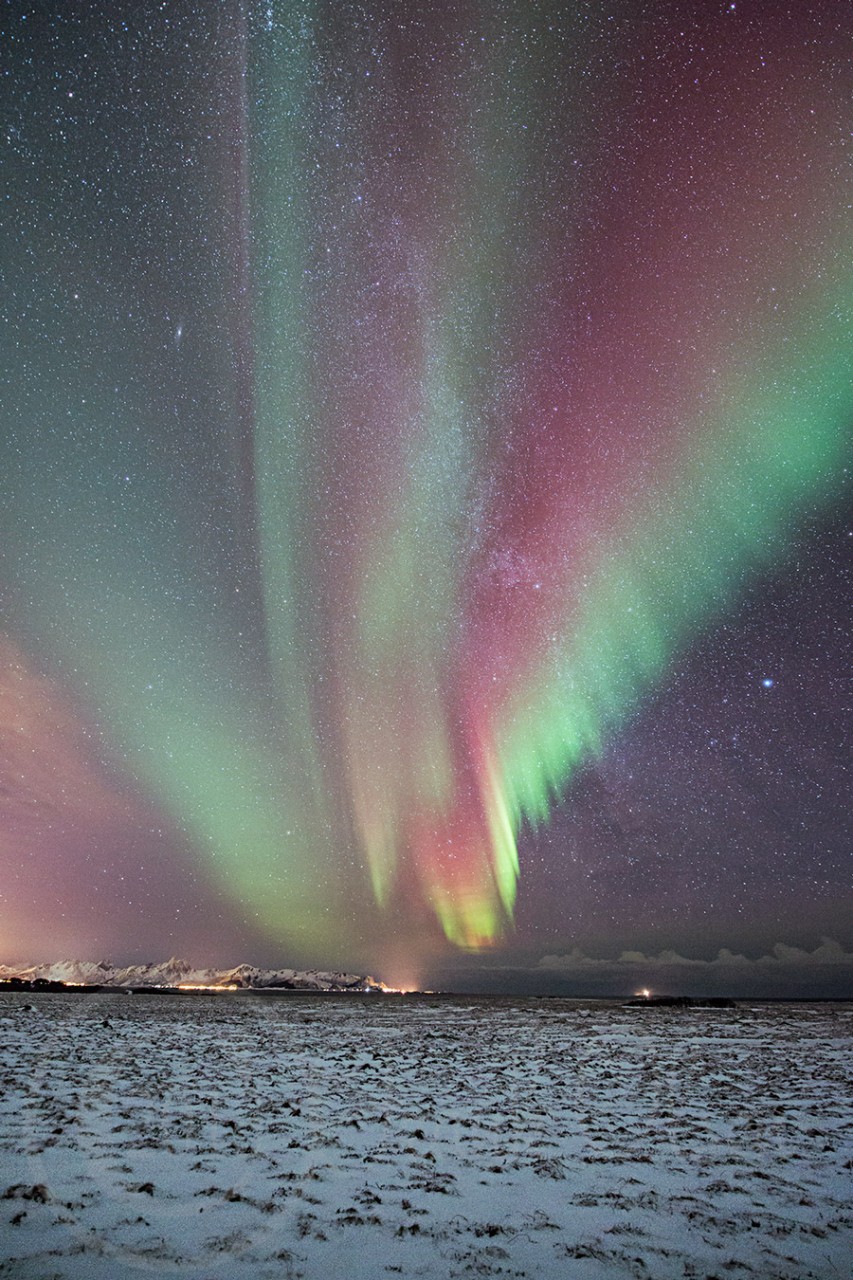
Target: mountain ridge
{"type": "Point", "coordinates": [176, 972]}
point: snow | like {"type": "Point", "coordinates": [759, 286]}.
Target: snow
{"type": "Point", "coordinates": [176, 972]}
{"type": "Point", "coordinates": [245, 1136]}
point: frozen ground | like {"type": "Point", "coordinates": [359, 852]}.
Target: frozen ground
{"type": "Point", "coordinates": [238, 1138]}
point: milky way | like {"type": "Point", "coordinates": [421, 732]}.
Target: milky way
{"type": "Point", "coordinates": [407, 409]}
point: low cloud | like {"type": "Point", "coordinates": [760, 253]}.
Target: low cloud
{"type": "Point", "coordinates": [781, 960]}
{"type": "Point", "coordinates": [784, 972]}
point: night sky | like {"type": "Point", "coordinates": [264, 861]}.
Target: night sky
{"type": "Point", "coordinates": [424, 458]}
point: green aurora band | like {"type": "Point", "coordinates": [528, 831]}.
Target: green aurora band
{"type": "Point", "coordinates": [440, 629]}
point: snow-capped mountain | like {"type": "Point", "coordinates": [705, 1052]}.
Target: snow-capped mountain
{"type": "Point", "coordinates": [179, 973]}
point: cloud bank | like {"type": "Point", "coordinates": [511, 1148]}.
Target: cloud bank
{"type": "Point", "coordinates": [828, 969]}
{"type": "Point", "coordinates": [781, 957]}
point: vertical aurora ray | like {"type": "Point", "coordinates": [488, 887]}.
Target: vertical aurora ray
{"type": "Point", "coordinates": [779, 441]}
{"type": "Point", "coordinates": [156, 662]}
{"type": "Point", "coordinates": [521, 348]}
{"type": "Point", "coordinates": [534, 462]}
{"type": "Point", "coordinates": [572, 617]}
{"type": "Point", "coordinates": [129, 566]}
{"type": "Point", "coordinates": [282, 61]}
{"type": "Point", "coordinates": [414, 785]}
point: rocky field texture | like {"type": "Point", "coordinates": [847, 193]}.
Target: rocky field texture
{"type": "Point", "coordinates": [221, 1138]}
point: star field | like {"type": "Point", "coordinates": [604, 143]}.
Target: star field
{"type": "Point", "coordinates": [425, 455]}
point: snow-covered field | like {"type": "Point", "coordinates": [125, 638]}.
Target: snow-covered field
{"type": "Point", "coordinates": [242, 1137]}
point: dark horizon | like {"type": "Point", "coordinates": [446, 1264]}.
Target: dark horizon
{"type": "Point", "coordinates": [787, 973]}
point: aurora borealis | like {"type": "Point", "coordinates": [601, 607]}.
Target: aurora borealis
{"type": "Point", "coordinates": [425, 432]}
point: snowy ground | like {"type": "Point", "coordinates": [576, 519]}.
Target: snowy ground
{"type": "Point", "coordinates": [240, 1137]}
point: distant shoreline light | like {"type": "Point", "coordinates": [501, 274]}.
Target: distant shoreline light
{"type": "Point", "coordinates": [198, 986]}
